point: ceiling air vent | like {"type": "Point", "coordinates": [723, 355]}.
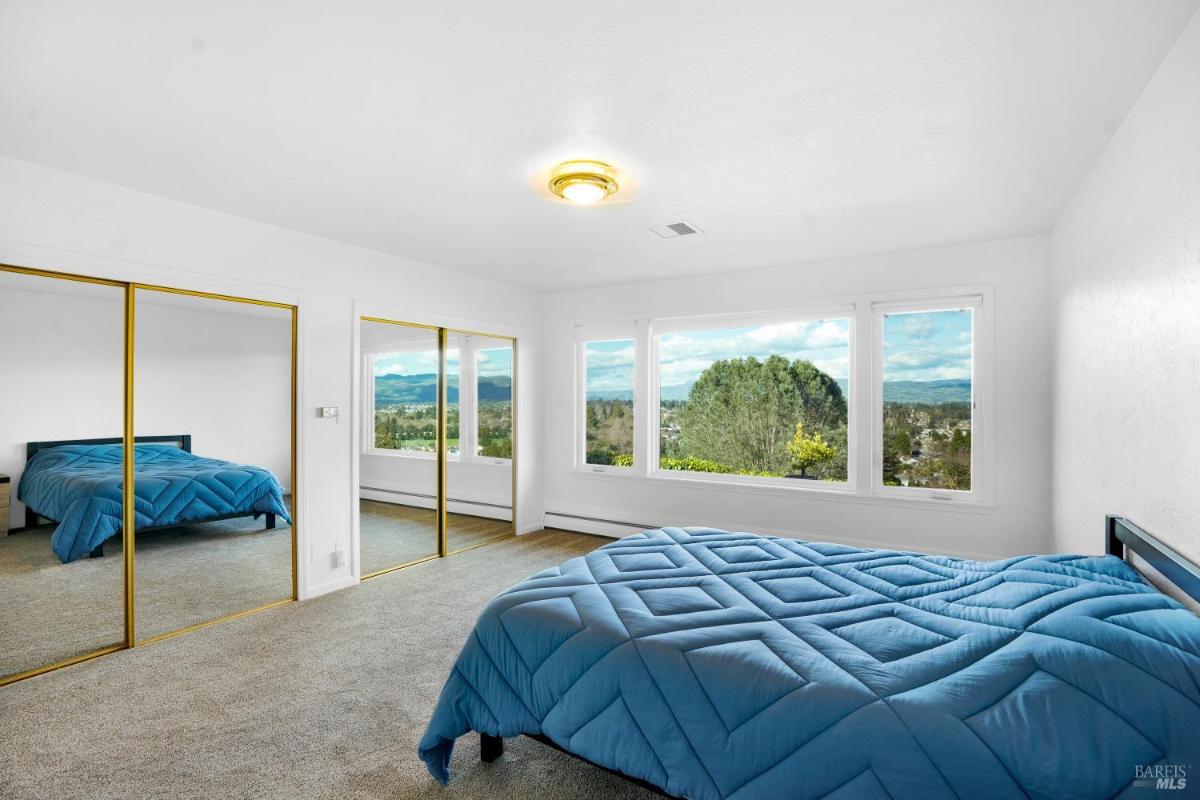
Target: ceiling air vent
{"type": "Point", "coordinates": [673, 230]}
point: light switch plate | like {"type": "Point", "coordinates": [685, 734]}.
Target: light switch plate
{"type": "Point", "coordinates": [327, 412]}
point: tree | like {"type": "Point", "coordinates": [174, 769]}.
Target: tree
{"type": "Point", "coordinates": [743, 412]}
{"type": "Point", "coordinates": [809, 450]}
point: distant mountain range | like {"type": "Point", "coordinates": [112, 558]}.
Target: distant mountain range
{"type": "Point", "coordinates": [392, 390]}
{"type": "Point", "coordinates": [930, 392]}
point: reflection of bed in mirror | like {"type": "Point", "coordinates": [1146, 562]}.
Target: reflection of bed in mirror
{"type": "Point", "coordinates": [78, 485]}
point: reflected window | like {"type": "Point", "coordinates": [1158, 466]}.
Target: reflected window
{"type": "Point", "coordinates": [405, 388]}
{"type": "Point", "coordinates": [493, 379]}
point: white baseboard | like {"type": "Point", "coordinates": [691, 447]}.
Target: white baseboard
{"type": "Point", "coordinates": [469, 507]}
{"type": "Point", "coordinates": [595, 524]}
{"type": "Point", "coordinates": [341, 582]}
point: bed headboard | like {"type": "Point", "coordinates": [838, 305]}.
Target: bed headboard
{"type": "Point", "coordinates": [182, 441]}
{"type": "Point", "coordinates": [1121, 534]}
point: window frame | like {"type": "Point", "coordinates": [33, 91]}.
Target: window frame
{"type": "Point", "coordinates": [864, 399]}
{"type": "Point", "coordinates": [468, 398]}
{"type": "Point", "coordinates": [585, 334]}
{"type": "Point", "coordinates": [981, 393]}
{"type": "Point", "coordinates": [729, 321]}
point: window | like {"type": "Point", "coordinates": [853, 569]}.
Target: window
{"type": "Point", "coordinates": [608, 368]}
{"type": "Point", "coordinates": [927, 394]}
{"type": "Point", "coordinates": [493, 382]}
{"type": "Point", "coordinates": [879, 398]}
{"type": "Point", "coordinates": [404, 388]}
{"type": "Point", "coordinates": [764, 400]}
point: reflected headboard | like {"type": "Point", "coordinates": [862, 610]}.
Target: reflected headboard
{"type": "Point", "coordinates": [1182, 573]}
{"type": "Point", "coordinates": [182, 441]}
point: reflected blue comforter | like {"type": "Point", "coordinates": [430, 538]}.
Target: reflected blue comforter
{"type": "Point", "coordinates": [80, 487]}
{"type": "Point", "coordinates": [728, 665]}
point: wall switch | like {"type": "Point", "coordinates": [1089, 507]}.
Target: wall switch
{"type": "Point", "coordinates": [328, 412]}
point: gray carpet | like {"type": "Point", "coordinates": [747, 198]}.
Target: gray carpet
{"type": "Point", "coordinates": [392, 534]}
{"type": "Point", "coordinates": [323, 699]}
{"type": "Point", "coordinates": [53, 611]}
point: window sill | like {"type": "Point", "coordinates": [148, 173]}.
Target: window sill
{"type": "Point", "coordinates": [843, 495]}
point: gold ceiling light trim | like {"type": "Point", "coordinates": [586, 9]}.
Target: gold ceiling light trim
{"type": "Point", "coordinates": [584, 183]}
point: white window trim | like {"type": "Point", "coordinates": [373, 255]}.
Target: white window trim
{"type": "Point", "coordinates": [864, 479]}
{"type": "Point", "coordinates": [981, 396]}
{"type": "Point", "coordinates": [468, 346]}
{"type": "Point", "coordinates": [662, 327]}
{"type": "Point", "coordinates": [605, 333]}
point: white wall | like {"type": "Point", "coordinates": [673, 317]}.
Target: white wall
{"type": "Point", "coordinates": [60, 221]}
{"type": "Point", "coordinates": [222, 375]}
{"type": "Point", "coordinates": [1019, 521]}
{"type": "Point", "coordinates": [61, 369]}
{"type": "Point", "coordinates": [62, 361]}
{"type": "Point", "coordinates": [1126, 289]}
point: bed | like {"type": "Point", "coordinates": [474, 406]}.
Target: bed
{"type": "Point", "coordinates": [78, 484]}
{"type": "Point", "coordinates": [705, 664]}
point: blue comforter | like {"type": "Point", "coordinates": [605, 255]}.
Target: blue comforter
{"type": "Point", "coordinates": [80, 487]}
{"type": "Point", "coordinates": [728, 665]}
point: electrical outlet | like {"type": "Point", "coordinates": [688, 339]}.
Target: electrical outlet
{"type": "Point", "coordinates": [328, 412]}
{"type": "Point", "coordinates": [339, 556]}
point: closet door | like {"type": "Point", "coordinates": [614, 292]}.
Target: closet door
{"type": "Point", "coordinates": [62, 353]}
{"type": "Point", "coordinates": [479, 454]}
{"type": "Point", "coordinates": [213, 410]}
{"type": "Point", "coordinates": [398, 454]}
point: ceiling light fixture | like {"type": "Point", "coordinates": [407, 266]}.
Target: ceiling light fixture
{"type": "Point", "coordinates": [583, 182]}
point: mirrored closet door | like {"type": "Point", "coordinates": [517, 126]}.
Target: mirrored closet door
{"type": "Point", "coordinates": [479, 442]}
{"type": "Point", "coordinates": [213, 465]}
{"type": "Point", "coordinates": [436, 463]}
{"type": "Point", "coordinates": [62, 350]}
{"type": "Point", "coordinates": [398, 461]}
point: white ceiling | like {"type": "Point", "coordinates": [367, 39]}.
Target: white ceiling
{"type": "Point", "coordinates": [787, 131]}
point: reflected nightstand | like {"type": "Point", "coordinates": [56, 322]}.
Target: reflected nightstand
{"type": "Point", "coordinates": [5, 504]}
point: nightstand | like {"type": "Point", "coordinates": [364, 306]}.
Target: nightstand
{"type": "Point", "coordinates": [5, 503]}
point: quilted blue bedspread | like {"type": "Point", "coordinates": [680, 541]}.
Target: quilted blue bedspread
{"type": "Point", "coordinates": [729, 665]}
{"type": "Point", "coordinates": [80, 487]}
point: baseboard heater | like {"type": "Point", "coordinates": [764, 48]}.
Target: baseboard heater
{"type": "Point", "coordinates": [597, 525]}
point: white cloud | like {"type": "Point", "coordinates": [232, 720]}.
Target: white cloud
{"type": "Point", "coordinates": [601, 359]}
{"type": "Point", "coordinates": [685, 356]}
{"type": "Point", "coordinates": [919, 326]}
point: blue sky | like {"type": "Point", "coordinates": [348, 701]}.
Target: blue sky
{"type": "Point", "coordinates": [923, 346]}
{"type": "Point", "coordinates": [685, 355]}
{"type": "Point", "coordinates": [610, 366]}
{"type": "Point", "coordinates": [490, 362]}
{"type": "Point", "coordinates": [826, 343]}
{"type": "Point", "coordinates": [927, 346]}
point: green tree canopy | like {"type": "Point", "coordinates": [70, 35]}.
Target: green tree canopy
{"type": "Point", "coordinates": [743, 412]}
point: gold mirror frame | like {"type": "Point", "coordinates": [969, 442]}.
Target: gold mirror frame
{"type": "Point", "coordinates": [128, 534]}
{"type": "Point", "coordinates": [442, 408]}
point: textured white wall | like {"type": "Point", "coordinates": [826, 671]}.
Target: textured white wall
{"type": "Point", "coordinates": [1020, 521]}
{"type": "Point", "coordinates": [1126, 286]}
{"type": "Point", "coordinates": [60, 221]}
